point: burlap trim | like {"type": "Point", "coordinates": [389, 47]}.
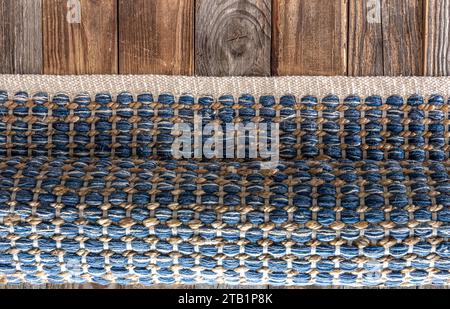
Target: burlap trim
{"type": "Point", "coordinates": [277, 86]}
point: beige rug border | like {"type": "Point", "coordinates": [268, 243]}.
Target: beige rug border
{"type": "Point", "coordinates": [216, 86]}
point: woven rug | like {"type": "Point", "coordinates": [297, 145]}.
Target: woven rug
{"type": "Point", "coordinates": [353, 188]}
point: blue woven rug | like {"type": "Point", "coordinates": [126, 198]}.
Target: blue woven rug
{"type": "Point", "coordinates": [90, 191]}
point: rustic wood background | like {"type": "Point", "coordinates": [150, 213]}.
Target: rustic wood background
{"type": "Point", "coordinates": [224, 37]}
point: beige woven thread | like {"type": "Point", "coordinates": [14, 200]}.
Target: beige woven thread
{"type": "Point", "coordinates": [216, 86]}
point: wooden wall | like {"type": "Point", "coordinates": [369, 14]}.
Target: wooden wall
{"type": "Point", "coordinates": [225, 37]}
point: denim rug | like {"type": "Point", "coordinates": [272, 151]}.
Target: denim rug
{"type": "Point", "coordinates": [353, 187]}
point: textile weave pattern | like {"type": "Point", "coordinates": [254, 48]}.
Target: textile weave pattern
{"type": "Point", "coordinates": [90, 192]}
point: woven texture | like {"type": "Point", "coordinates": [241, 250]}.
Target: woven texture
{"type": "Point", "coordinates": [217, 86]}
{"type": "Point", "coordinates": [89, 191]}
{"type": "Point", "coordinates": [353, 128]}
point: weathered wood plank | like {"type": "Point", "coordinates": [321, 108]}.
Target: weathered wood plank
{"type": "Point", "coordinates": [437, 36]}
{"type": "Point", "coordinates": [6, 38]}
{"type": "Point", "coordinates": [365, 38]}
{"type": "Point", "coordinates": [80, 36]}
{"type": "Point", "coordinates": [232, 37]}
{"type": "Point", "coordinates": [403, 37]}
{"type": "Point", "coordinates": [156, 37]}
{"type": "Point", "coordinates": [309, 37]}
{"type": "Point", "coordinates": [20, 36]}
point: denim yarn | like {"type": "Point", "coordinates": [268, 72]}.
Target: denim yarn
{"type": "Point", "coordinates": [89, 192]}
{"type": "Point", "coordinates": [354, 128]}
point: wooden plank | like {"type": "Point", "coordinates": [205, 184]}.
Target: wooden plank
{"type": "Point", "coordinates": [156, 37]}
{"type": "Point", "coordinates": [80, 36]}
{"type": "Point", "coordinates": [232, 37]}
{"type": "Point", "coordinates": [365, 38]}
{"type": "Point", "coordinates": [437, 35]}
{"type": "Point", "coordinates": [309, 37]}
{"type": "Point", "coordinates": [20, 37]}
{"type": "Point", "coordinates": [403, 37]}
{"type": "Point", "coordinates": [6, 38]}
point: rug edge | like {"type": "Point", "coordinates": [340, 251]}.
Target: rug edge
{"type": "Point", "coordinates": [215, 86]}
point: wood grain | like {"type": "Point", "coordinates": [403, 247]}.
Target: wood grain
{"type": "Point", "coordinates": [365, 38]}
{"type": "Point", "coordinates": [437, 35]}
{"type": "Point", "coordinates": [403, 37]}
{"type": "Point", "coordinates": [88, 47]}
{"type": "Point", "coordinates": [309, 37]}
{"type": "Point", "coordinates": [156, 37]}
{"type": "Point", "coordinates": [20, 37]}
{"type": "Point", "coordinates": [6, 38]}
{"type": "Point", "coordinates": [232, 37]}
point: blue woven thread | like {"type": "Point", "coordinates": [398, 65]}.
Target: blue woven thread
{"type": "Point", "coordinates": [88, 193]}
{"type": "Point", "coordinates": [354, 128]}
{"type": "Point", "coordinates": [299, 221]}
